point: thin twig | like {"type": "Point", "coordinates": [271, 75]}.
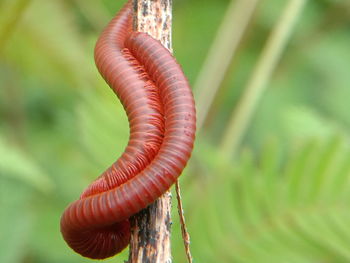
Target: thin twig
{"type": "Point", "coordinates": [150, 229]}
{"type": "Point", "coordinates": [185, 234]}
{"type": "Point", "coordinates": [264, 68]}
{"type": "Point", "coordinates": [221, 53]}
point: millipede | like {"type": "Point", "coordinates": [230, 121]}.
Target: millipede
{"type": "Point", "coordinates": [159, 104]}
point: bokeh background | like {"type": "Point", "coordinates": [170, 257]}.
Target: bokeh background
{"type": "Point", "coordinates": [269, 180]}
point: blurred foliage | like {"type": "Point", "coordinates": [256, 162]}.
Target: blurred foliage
{"type": "Point", "coordinates": [282, 198]}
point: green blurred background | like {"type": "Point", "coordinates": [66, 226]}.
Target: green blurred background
{"type": "Point", "coordinates": [279, 193]}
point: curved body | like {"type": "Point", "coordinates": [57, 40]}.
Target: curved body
{"type": "Point", "coordinates": [160, 109]}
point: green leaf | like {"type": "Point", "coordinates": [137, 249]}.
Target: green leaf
{"type": "Point", "coordinates": [103, 127]}
{"type": "Point", "coordinates": [17, 165]}
{"type": "Point", "coordinates": [15, 220]}
{"type": "Point", "coordinates": [278, 208]}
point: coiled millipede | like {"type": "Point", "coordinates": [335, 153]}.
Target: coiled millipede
{"type": "Point", "coordinates": [160, 108]}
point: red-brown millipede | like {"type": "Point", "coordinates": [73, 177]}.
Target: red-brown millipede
{"type": "Point", "coordinates": [160, 108]}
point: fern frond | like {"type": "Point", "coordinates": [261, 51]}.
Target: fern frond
{"type": "Point", "coordinates": [290, 209]}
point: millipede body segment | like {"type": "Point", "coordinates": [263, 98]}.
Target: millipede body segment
{"type": "Point", "coordinates": [160, 108]}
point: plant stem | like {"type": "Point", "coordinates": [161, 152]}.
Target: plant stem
{"type": "Point", "coordinates": [150, 229]}
{"type": "Point", "coordinates": [221, 53]}
{"type": "Point", "coordinates": [184, 232]}
{"type": "Point", "coordinates": [262, 72]}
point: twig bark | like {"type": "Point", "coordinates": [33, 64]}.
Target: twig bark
{"type": "Point", "coordinates": [150, 229]}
